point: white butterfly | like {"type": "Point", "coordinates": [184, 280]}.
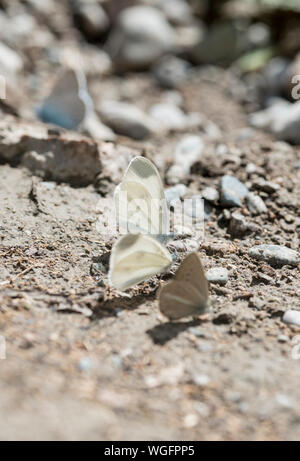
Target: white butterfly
{"type": "Point", "coordinates": [69, 103]}
{"type": "Point", "coordinates": [142, 212]}
{"type": "Point", "coordinates": [136, 258]}
{"type": "Point", "coordinates": [188, 293]}
{"type": "Point", "coordinates": [140, 201]}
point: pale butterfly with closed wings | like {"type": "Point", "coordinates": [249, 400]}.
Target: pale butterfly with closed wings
{"type": "Point", "coordinates": [142, 211]}
{"type": "Point", "coordinates": [140, 201]}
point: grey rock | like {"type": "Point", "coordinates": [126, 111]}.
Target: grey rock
{"type": "Point", "coordinates": [221, 150]}
{"type": "Point", "coordinates": [255, 204]}
{"type": "Point", "coordinates": [175, 174]}
{"type": "Point", "coordinates": [174, 194]}
{"type": "Point", "coordinates": [217, 275]}
{"type": "Point", "coordinates": [222, 44]}
{"type": "Point", "coordinates": [96, 129]}
{"type": "Point", "coordinates": [91, 17]}
{"type": "Point", "coordinates": [251, 168]}
{"type": "Point", "coordinates": [85, 364]}
{"type": "Point", "coordinates": [224, 216]}
{"type": "Point", "coordinates": [97, 269]}
{"type": "Point", "coordinates": [170, 71]}
{"type": "Point", "coordinates": [266, 186]}
{"type": "Point", "coordinates": [173, 97]}
{"type": "Point", "coordinates": [238, 226]}
{"type": "Point", "coordinates": [184, 246]}
{"type": "Point", "coordinates": [256, 303]}
{"type": "Point", "coordinates": [264, 278]}
{"type": "Point", "coordinates": [178, 12]}
{"type": "Point", "coordinates": [169, 116]}
{"type": "Point", "coordinates": [59, 156]}
{"type": "Point", "coordinates": [232, 191]}
{"type": "Point", "coordinates": [282, 119]}
{"type": "Point", "coordinates": [11, 63]}
{"type": "Point", "coordinates": [141, 36]}
{"type": "Point", "coordinates": [201, 380]}
{"type": "Point", "coordinates": [210, 194]}
{"type": "Point", "coordinates": [266, 119]}
{"type": "Point", "coordinates": [188, 151]}
{"type": "Point", "coordinates": [285, 401]}
{"type": "Point", "coordinates": [126, 119]}
{"type": "Point", "coordinates": [283, 339]}
{"type": "Point", "coordinates": [275, 254]}
{"type": "Point", "coordinates": [292, 317]}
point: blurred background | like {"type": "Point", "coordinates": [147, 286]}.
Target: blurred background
{"type": "Point", "coordinates": [167, 41]}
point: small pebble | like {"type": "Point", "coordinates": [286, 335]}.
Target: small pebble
{"type": "Point", "coordinates": [283, 339]}
{"type": "Point", "coordinates": [140, 36]}
{"type": "Point", "coordinates": [188, 151]}
{"type": "Point", "coordinates": [174, 194]}
{"type": "Point", "coordinates": [217, 275]}
{"type": "Point", "coordinates": [210, 194]}
{"type": "Point", "coordinates": [175, 174]}
{"type": "Point", "coordinates": [201, 380]}
{"type": "Point", "coordinates": [170, 71]}
{"type": "Point", "coordinates": [284, 401]}
{"type": "Point", "coordinates": [85, 364]}
{"type": "Point", "coordinates": [126, 119]}
{"type": "Point", "coordinates": [238, 225]}
{"type": "Point", "coordinates": [255, 204]}
{"type": "Point", "coordinates": [190, 421]}
{"type": "Point", "coordinates": [168, 116]}
{"type": "Point", "coordinates": [251, 168]}
{"type": "Point", "coordinates": [266, 186]}
{"type": "Point", "coordinates": [232, 191]}
{"type": "Point", "coordinates": [292, 317]}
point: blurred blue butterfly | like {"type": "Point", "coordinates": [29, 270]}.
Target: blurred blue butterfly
{"type": "Point", "coordinates": [69, 102]}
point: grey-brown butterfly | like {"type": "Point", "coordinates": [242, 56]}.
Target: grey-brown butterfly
{"type": "Point", "coordinates": [187, 294]}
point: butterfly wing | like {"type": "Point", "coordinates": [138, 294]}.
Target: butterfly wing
{"type": "Point", "coordinates": [65, 106]}
{"type": "Point", "coordinates": [136, 258]}
{"type": "Point", "coordinates": [140, 201]}
{"type": "Point", "coordinates": [180, 299]}
{"type": "Point", "coordinates": [191, 271]}
{"type": "Point", "coordinates": [188, 293]}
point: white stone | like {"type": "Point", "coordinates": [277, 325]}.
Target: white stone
{"type": "Point", "coordinates": [10, 61]}
{"type": "Point", "coordinates": [169, 116]}
{"type": "Point", "coordinates": [188, 151]}
{"type": "Point", "coordinates": [292, 317]}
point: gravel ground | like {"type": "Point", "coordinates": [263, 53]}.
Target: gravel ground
{"type": "Point", "coordinates": [84, 362]}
